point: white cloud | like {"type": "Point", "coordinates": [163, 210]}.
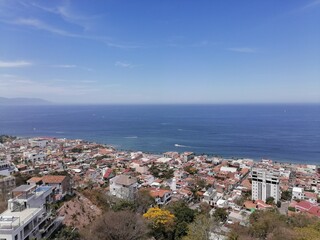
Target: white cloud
{"type": "Point", "coordinates": [14, 64]}
{"type": "Point", "coordinates": [7, 75]}
{"type": "Point", "coordinates": [311, 4]}
{"type": "Point", "coordinates": [66, 13]}
{"type": "Point", "coordinates": [242, 50]}
{"type": "Point", "coordinates": [123, 64]}
{"type": "Point", "coordinates": [40, 25]}
{"type": "Point", "coordinates": [35, 23]}
{"type": "Point", "coordinates": [65, 66]}
{"type": "Point", "coordinates": [88, 81]}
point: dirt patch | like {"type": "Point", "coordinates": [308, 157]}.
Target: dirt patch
{"type": "Point", "coordinates": [79, 212]}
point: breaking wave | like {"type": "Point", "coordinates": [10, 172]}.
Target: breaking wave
{"type": "Point", "coordinates": [182, 146]}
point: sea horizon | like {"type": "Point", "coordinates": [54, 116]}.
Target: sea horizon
{"type": "Point", "coordinates": [284, 133]}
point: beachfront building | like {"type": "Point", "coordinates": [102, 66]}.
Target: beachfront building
{"type": "Point", "coordinates": [28, 215]}
{"type": "Point", "coordinates": [265, 184]}
{"type": "Point", "coordinates": [123, 186]}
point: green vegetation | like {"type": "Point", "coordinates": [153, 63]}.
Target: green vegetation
{"type": "Point", "coordinates": [184, 215]}
{"type": "Point", "coordinates": [98, 158]}
{"type": "Point", "coordinates": [76, 150]}
{"type": "Point", "coordinates": [6, 138]}
{"type": "Point", "coordinates": [161, 171]}
{"type": "Point", "coordinates": [66, 233]}
{"type": "Point", "coordinates": [271, 225]}
{"type": "Point", "coordinates": [200, 229]}
{"type": "Point", "coordinates": [191, 170]}
{"type": "Point", "coordinates": [270, 200]}
{"type": "Point", "coordinates": [220, 215]}
{"type": "Point", "coordinates": [21, 178]}
{"type": "Point", "coordinates": [291, 209]}
{"type": "Point", "coordinates": [286, 195]}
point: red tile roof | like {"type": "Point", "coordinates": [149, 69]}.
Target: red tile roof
{"type": "Point", "coordinates": [35, 179]}
{"type": "Point", "coordinates": [53, 179]}
{"type": "Point", "coordinates": [158, 192]}
{"type": "Point", "coordinates": [107, 173]}
{"type": "Point", "coordinates": [305, 206]}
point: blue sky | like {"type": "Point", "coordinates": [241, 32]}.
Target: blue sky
{"type": "Point", "coordinates": [161, 51]}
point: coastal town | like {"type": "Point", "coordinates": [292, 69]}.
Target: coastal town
{"type": "Point", "coordinates": [47, 184]}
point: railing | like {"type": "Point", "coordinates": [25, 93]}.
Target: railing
{"type": "Point", "coordinates": [6, 231]}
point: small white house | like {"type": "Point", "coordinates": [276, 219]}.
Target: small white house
{"type": "Point", "coordinates": [297, 193]}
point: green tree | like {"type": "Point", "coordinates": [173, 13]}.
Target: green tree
{"type": "Point", "coordinates": [200, 229]}
{"type": "Point", "coordinates": [205, 208]}
{"type": "Point", "coordinates": [270, 200]}
{"type": "Point", "coordinates": [263, 223]}
{"type": "Point", "coordinates": [67, 233]}
{"type": "Point", "coordinates": [123, 205]}
{"type": "Point", "coordinates": [286, 195]}
{"type": "Point", "coordinates": [191, 170]}
{"type": "Point", "coordinates": [184, 215]}
{"type": "Point", "coordinates": [220, 214]}
{"type": "Point", "coordinates": [161, 221]}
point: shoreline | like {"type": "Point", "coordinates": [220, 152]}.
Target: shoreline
{"type": "Point", "coordinates": [284, 162]}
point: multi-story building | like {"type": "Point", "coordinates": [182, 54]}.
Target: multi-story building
{"type": "Point", "coordinates": [265, 184]}
{"type": "Point", "coordinates": [161, 196]}
{"type": "Point", "coordinates": [211, 196]}
{"type": "Point", "coordinates": [60, 184]}
{"type": "Point", "coordinates": [38, 142]}
{"type": "Point", "coordinates": [34, 156]}
{"type": "Point", "coordinates": [123, 186]}
{"type": "Point", "coordinates": [28, 215]}
{"type": "Point", "coordinates": [7, 184]}
{"type": "Point", "coordinates": [6, 168]}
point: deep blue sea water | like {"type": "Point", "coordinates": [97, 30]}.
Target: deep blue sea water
{"type": "Point", "coordinates": [279, 132]}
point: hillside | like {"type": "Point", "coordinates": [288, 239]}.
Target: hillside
{"type": "Point", "coordinates": [23, 101]}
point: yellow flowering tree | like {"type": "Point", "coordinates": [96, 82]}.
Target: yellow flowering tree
{"type": "Point", "coordinates": [159, 217]}
{"type": "Point", "coordinates": [161, 221]}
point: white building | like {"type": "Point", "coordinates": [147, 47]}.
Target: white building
{"type": "Point", "coordinates": [265, 184]}
{"type": "Point", "coordinates": [228, 169]}
{"type": "Point", "coordinates": [211, 196]}
{"type": "Point", "coordinates": [300, 194]}
{"type": "Point", "coordinates": [34, 156]}
{"type": "Point", "coordinates": [28, 215]}
{"type": "Point", "coordinates": [38, 142]}
{"type": "Point", "coordinates": [123, 186]}
{"type": "Point", "coordinates": [297, 193]}
{"type": "Point", "coordinates": [6, 168]}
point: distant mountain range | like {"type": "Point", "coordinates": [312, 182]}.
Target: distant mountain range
{"type": "Point", "coordinates": [23, 101]}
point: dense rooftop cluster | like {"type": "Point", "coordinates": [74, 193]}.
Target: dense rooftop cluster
{"type": "Point", "coordinates": [170, 177]}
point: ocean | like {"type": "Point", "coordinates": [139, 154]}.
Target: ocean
{"type": "Point", "coordinates": [287, 133]}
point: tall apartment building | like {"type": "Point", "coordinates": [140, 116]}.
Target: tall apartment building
{"type": "Point", "coordinates": [28, 215]}
{"type": "Point", "coordinates": [265, 183]}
